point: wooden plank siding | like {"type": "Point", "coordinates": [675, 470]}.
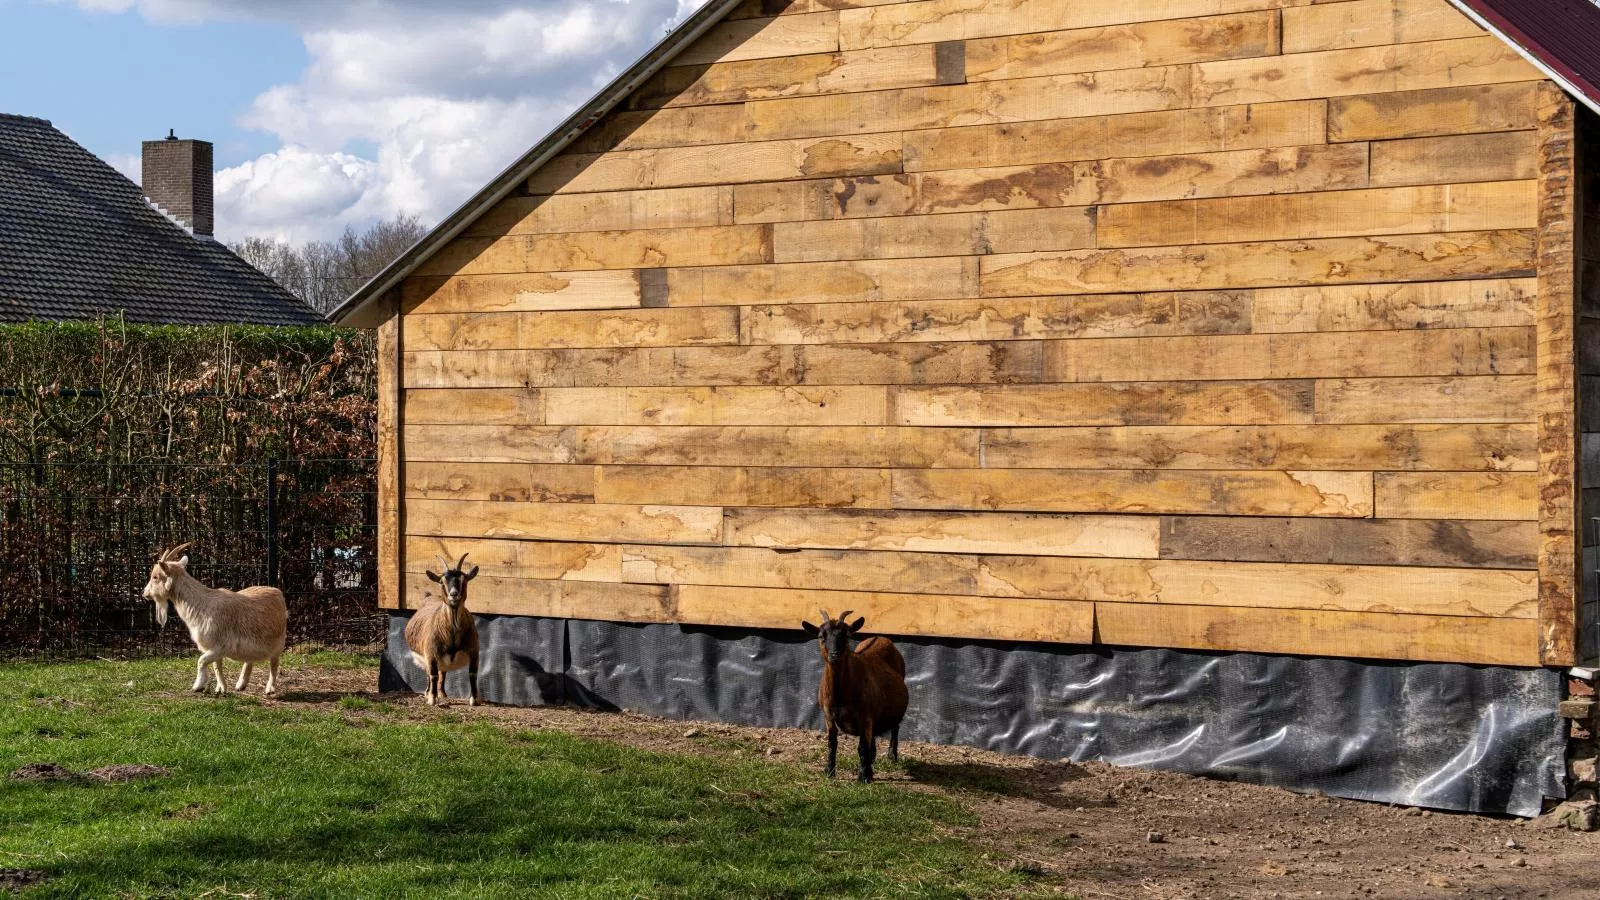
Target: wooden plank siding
{"type": "Point", "coordinates": [1212, 324]}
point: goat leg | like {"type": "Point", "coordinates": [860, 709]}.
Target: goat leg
{"type": "Point", "coordinates": [472, 675]}
{"type": "Point", "coordinates": [216, 669]}
{"type": "Point", "coordinates": [444, 699]}
{"type": "Point", "coordinates": [244, 678]}
{"type": "Point", "coordinates": [865, 751]}
{"type": "Point", "coordinates": [894, 743]}
{"type": "Point", "coordinates": [433, 677]}
{"type": "Point", "coordinates": [272, 678]}
{"type": "Point", "coordinates": [833, 748]}
{"type": "Point", "coordinates": [200, 671]}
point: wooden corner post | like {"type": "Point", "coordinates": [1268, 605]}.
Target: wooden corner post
{"type": "Point", "coordinates": [1557, 398]}
{"type": "Point", "coordinates": [391, 593]}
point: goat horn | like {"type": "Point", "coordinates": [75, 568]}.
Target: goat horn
{"type": "Point", "coordinates": [173, 553]}
{"type": "Point", "coordinates": [462, 561]}
{"type": "Point", "coordinates": [443, 563]}
{"type": "Point", "coordinates": [825, 616]}
{"type": "Point", "coordinates": [845, 615]}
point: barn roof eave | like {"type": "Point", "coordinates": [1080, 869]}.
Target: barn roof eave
{"type": "Point", "coordinates": [1545, 33]}
{"type": "Point", "coordinates": [360, 309]}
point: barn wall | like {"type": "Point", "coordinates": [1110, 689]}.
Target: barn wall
{"type": "Point", "coordinates": [1202, 324]}
{"type": "Point", "coordinates": [1589, 375]}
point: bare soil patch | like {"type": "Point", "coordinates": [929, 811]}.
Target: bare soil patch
{"type": "Point", "coordinates": [1094, 830]}
{"type": "Point", "coordinates": [14, 880]}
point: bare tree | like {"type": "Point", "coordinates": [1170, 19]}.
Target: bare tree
{"type": "Point", "coordinates": [323, 273]}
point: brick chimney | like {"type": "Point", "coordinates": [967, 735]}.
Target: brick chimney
{"type": "Point", "coordinates": [177, 178]}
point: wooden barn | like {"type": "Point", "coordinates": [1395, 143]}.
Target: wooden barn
{"type": "Point", "coordinates": [1187, 383]}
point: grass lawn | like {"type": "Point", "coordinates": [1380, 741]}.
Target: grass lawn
{"type": "Point", "coordinates": [359, 800]}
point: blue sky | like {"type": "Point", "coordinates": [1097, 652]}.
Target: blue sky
{"type": "Point", "coordinates": [324, 113]}
{"type": "Point", "coordinates": [113, 79]}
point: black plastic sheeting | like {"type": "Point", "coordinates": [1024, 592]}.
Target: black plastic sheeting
{"type": "Point", "coordinates": [1475, 738]}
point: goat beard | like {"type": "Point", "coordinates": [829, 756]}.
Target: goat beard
{"type": "Point", "coordinates": [161, 612]}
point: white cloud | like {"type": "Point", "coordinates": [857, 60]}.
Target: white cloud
{"type": "Point", "coordinates": [448, 91]}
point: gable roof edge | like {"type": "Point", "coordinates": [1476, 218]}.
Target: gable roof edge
{"type": "Point", "coordinates": [1529, 50]}
{"type": "Point", "coordinates": [357, 310]}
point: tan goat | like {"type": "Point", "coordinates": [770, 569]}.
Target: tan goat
{"type": "Point", "coordinates": [443, 636]}
{"type": "Point", "coordinates": [249, 625]}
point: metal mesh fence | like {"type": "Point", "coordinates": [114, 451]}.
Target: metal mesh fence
{"type": "Point", "coordinates": [77, 542]}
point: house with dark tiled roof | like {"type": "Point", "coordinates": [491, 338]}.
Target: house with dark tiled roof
{"type": "Point", "coordinates": [79, 240]}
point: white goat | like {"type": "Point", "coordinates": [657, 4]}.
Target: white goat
{"type": "Point", "coordinates": [249, 625]}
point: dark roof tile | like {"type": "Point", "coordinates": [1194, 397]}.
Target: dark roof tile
{"type": "Point", "coordinates": [78, 239]}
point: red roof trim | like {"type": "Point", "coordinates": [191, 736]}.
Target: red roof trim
{"type": "Point", "coordinates": [1562, 36]}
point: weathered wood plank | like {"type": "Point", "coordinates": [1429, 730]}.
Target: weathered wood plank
{"type": "Point", "coordinates": [1104, 48]}
{"type": "Point", "coordinates": [503, 406]}
{"type": "Point", "coordinates": [716, 164]}
{"type": "Point", "coordinates": [1464, 592]}
{"type": "Point", "coordinates": [1340, 494]}
{"type": "Point", "coordinates": [1488, 206]}
{"type": "Point", "coordinates": [1305, 447]}
{"type": "Point", "coordinates": [844, 405]}
{"type": "Point", "coordinates": [1431, 257]}
{"type": "Point", "coordinates": [944, 20]}
{"type": "Point", "coordinates": [511, 482]}
{"type": "Point", "coordinates": [760, 9]}
{"type": "Point", "coordinates": [1457, 495]}
{"type": "Point", "coordinates": [492, 444]}
{"type": "Point", "coordinates": [1376, 307]}
{"type": "Point", "coordinates": [520, 559]}
{"type": "Point", "coordinates": [828, 282]}
{"type": "Point", "coordinates": [1489, 399]}
{"type": "Point", "coordinates": [979, 618]}
{"type": "Point", "coordinates": [689, 445]}
{"type": "Point", "coordinates": [1126, 537]}
{"type": "Point", "coordinates": [1161, 133]}
{"type": "Point", "coordinates": [1433, 112]}
{"type": "Point", "coordinates": [594, 522]}
{"type": "Point", "coordinates": [1083, 316]}
{"type": "Point", "coordinates": [646, 248]}
{"type": "Point", "coordinates": [1126, 403]}
{"type": "Point", "coordinates": [983, 103]}
{"type": "Point", "coordinates": [1360, 70]}
{"type": "Point", "coordinates": [1344, 354]}
{"type": "Point", "coordinates": [1359, 542]}
{"type": "Point", "coordinates": [781, 445]}
{"type": "Point", "coordinates": [1503, 156]}
{"type": "Point", "coordinates": [1556, 397]}
{"type": "Point", "coordinates": [650, 129]}
{"type": "Point", "coordinates": [832, 198]}
{"type": "Point", "coordinates": [779, 36]}
{"type": "Point", "coordinates": [1229, 173]}
{"type": "Point", "coordinates": [586, 328]}
{"type": "Point", "coordinates": [390, 440]}
{"type": "Point", "coordinates": [689, 207]}
{"type": "Point", "coordinates": [1366, 23]}
{"type": "Point", "coordinates": [553, 598]}
{"type": "Point", "coordinates": [770, 486]}
{"type": "Point", "coordinates": [1016, 231]}
{"type": "Point", "coordinates": [532, 291]}
{"type": "Point", "coordinates": [1463, 639]}
{"type": "Point", "coordinates": [805, 75]}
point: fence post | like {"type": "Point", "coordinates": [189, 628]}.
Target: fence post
{"type": "Point", "coordinates": [272, 521]}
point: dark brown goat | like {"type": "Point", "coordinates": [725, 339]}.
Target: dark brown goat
{"type": "Point", "coordinates": [442, 635]}
{"type": "Point", "coordinates": [863, 690]}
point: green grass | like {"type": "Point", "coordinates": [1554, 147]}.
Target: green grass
{"type": "Point", "coordinates": [356, 799]}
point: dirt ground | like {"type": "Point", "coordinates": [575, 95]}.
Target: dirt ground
{"type": "Point", "coordinates": [1094, 830]}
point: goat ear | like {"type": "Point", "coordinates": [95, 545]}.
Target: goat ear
{"type": "Point", "coordinates": [810, 628]}
{"type": "Point", "coordinates": [856, 625]}
{"type": "Point", "coordinates": [432, 576]}
{"type": "Point", "coordinates": [182, 563]}
{"type": "Point", "coordinates": [470, 574]}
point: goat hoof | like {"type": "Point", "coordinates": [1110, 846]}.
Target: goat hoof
{"type": "Point", "coordinates": [864, 777]}
{"type": "Point", "coordinates": [473, 702]}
